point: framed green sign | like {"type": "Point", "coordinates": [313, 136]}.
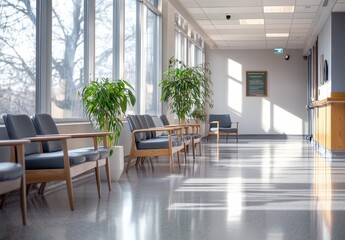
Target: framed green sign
{"type": "Point", "coordinates": [256, 83]}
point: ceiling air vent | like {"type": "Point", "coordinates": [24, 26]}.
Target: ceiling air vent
{"type": "Point", "coordinates": [325, 3]}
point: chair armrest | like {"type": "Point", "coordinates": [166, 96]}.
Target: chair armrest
{"type": "Point", "coordinates": [213, 122]}
{"type": "Point", "coordinates": [157, 129]}
{"type": "Point", "coordinates": [94, 136]}
{"type": "Point", "coordinates": [235, 123]}
{"type": "Point", "coordinates": [186, 126]}
{"type": "Point", "coordinates": [19, 148]}
{"type": "Point", "coordinates": [14, 142]}
{"type": "Point", "coordinates": [89, 135]}
{"type": "Point", "coordinates": [51, 137]}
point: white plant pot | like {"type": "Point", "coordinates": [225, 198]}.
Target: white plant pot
{"type": "Point", "coordinates": [116, 162]}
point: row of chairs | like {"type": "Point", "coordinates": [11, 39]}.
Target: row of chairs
{"type": "Point", "coordinates": [150, 140]}
{"type": "Point", "coordinates": [46, 156]}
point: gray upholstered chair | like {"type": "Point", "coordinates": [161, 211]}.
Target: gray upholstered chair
{"type": "Point", "coordinates": [145, 145]}
{"type": "Point", "coordinates": [41, 167]}
{"type": "Point", "coordinates": [45, 125]}
{"type": "Point", "coordinates": [220, 124]}
{"type": "Point", "coordinates": [191, 132]}
{"type": "Point", "coordinates": [12, 174]}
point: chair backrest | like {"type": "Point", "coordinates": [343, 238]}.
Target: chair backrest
{"type": "Point", "coordinates": [224, 120]}
{"type": "Point", "coordinates": [20, 126]}
{"type": "Point", "coordinates": [144, 125]}
{"type": "Point", "coordinates": [151, 124]}
{"type": "Point", "coordinates": [133, 124]}
{"type": "Point", "coordinates": [164, 119]}
{"type": "Point", "coordinates": [44, 124]}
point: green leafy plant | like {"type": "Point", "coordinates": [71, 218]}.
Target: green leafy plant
{"type": "Point", "coordinates": [187, 89]}
{"type": "Point", "coordinates": [105, 102]}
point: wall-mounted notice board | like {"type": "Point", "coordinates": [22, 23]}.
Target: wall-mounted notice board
{"type": "Point", "coordinates": [256, 83]}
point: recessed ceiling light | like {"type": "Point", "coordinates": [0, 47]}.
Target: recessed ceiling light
{"type": "Point", "coordinates": [251, 21]}
{"type": "Point", "coordinates": [277, 35]}
{"type": "Point", "coordinates": [279, 9]}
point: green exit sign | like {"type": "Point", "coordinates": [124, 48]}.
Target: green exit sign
{"type": "Point", "coordinates": [278, 50]}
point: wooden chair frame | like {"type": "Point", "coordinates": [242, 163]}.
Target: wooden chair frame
{"type": "Point", "coordinates": [218, 132]}
{"type": "Point", "coordinates": [195, 129]}
{"type": "Point", "coordinates": [68, 172]}
{"type": "Point", "coordinates": [135, 153]}
{"type": "Point", "coordinates": [17, 147]}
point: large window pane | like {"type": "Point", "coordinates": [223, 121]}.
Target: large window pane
{"type": "Point", "coordinates": [151, 64]}
{"type": "Point", "coordinates": [104, 38]}
{"type": "Point", "coordinates": [67, 58]}
{"type": "Point", "coordinates": [130, 46]}
{"type": "Point", "coordinates": [17, 56]}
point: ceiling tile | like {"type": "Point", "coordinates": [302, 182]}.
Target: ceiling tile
{"type": "Point", "coordinates": [278, 26]}
{"type": "Point", "coordinates": [211, 17]}
{"type": "Point", "coordinates": [278, 21]}
{"type": "Point", "coordinates": [306, 9]}
{"type": "Point", "coordinates": [294, 26]}
{"type": "Point", "coordinates": [278, 15]}
{"type": "Point", "coordinates": [308, 2]}
{"type": "Point", "coordinates": [233, 10]}
{"type": "Point", "coordinates": [275, 44]}
{"type": "Point", "coordinates": [279, 2]}
{"type": "Point", "coordinates": [339, 7]}
{"type": "Point", "coordinates": [301, 20]}
{"type": "Point", "coordinates": [227, 3]}
{"type": "Point", "coordinates": [304, 15]}
{"type": "Point", "coordinates": [189, 3]}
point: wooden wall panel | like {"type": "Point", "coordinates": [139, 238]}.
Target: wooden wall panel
{"type": "Point", "coordinates": [337, 125]}
{"type": "Point", "coordinates": [329, 124]}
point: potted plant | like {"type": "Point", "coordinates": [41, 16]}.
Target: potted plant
{"type": "Point", "coordinates": [105, 103]}
{"type": "Point", "coordinates": [187, 89]}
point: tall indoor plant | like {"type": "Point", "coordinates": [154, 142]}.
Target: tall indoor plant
{"type": "Point", "coordinates": [105, 102]}
{"type": "Point", "coordinates": [187, 90]}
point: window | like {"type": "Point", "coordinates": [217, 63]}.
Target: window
{"type": "Point", "coordinates": [141, 58]}
{"type": "Point", "coordinates": [48, 77]}
{"type": "Point", "coordinates": [17, 56]}
{"type": "Point", "coordinates": [193, 53]}
{"type": "Point", "coordinates": [150, 64]}
{"type": "Point", "coordinates": [67, 58]}
{"type": "Point", "coordinates": [130, 46]}
{"type": "Point", "coordinates": [104, 39]}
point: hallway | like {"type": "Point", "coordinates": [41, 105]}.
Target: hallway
{"type": "Point", "coordinates": [256, 189]}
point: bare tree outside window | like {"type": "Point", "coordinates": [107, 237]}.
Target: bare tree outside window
{"type": "Point", "coordinates": [104, 39]}
{"type": "Point", "coordinates": [130, 46]}
{"type": "Point", "coordinates": [67, 58]}
{"type": "Point", "coordinates": [17, 56]}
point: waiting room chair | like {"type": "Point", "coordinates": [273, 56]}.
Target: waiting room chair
{"type": "Point", "coordinates": [220, 124]}
{"type": "Point", "coordinates": [50, 166]}
{"type": "Point", "coordinates": [45, 125]}
{"type": "Point", "coordinates": [12, 174]}
{"type": "Point", "coordinates": [191, 131]}
{"type": "Point", "coordinates": [146, 145]}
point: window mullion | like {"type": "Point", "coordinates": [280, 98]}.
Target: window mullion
{"type": "Point", "coordinates": [44, 56]}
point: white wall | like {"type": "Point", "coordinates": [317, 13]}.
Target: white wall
{"type": "Point", "coordinates": [325, 49]}
{"type": "Point", "coordinates": [283, 111]}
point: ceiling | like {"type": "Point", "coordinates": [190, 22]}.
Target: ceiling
{"type": "Point", "coordinates": [302, 25]}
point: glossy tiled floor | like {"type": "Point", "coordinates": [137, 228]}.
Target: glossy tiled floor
{"type": "Point", "coordinates": [256, 189]}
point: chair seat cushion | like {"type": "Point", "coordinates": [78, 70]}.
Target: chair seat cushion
{"type": "Point", "coordinates": [51, 160]}
{"type": "Point", "coordinates": [157, 143]}
{"type": "Point", "coordinates": [228, 130]}
{"type": "Point", "coordinates": [10, 171]}
{"type": "Point", "coordinates": [187, 136]}
{"type": "Point", "coordinates": [89, 153]}
{"type": "Point", "coordinates": [196, 135]}
{"type": "Point", "coordinates": [102, 151]}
